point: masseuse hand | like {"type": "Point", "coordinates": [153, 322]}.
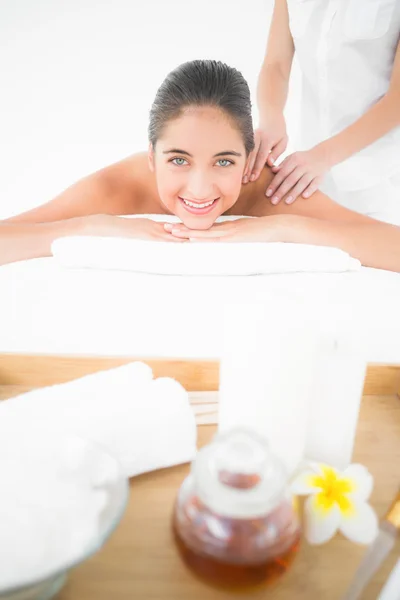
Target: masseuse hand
{"type": "Point", "coordinates": [300, 173]}
{"type": "Point", "coordinates": [270, 142]}
{"type": "Point", "coordinates": [143, 229]}
{"type": "Point", "coordinates": [258, 229]}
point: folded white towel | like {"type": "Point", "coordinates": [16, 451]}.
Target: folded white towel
{"type": "Point", "coordinates": [145, 423]}
{"type": "Point", "coordinates": [221, 258]}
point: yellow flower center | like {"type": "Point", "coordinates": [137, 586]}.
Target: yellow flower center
{"type": "Point", "coordinates": [334, 490]}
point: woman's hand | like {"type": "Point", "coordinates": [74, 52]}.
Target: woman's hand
{"type": "Point", "coordinates": [300, 173]}
{"type": "Point", "coordinates": [138, 228]}
{"type": "Point", "coordinates": [258, 229]}
{"type": "Point", "coordinates": [270, 142]}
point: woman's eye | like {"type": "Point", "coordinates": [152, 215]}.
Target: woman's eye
{"type": "Point", "coordinates": [178, 164]}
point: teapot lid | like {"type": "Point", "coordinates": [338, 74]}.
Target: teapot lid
{"type": "Point", "coordinates": [237, 474]}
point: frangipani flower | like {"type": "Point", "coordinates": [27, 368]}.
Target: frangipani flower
{"type": "Point", "coordinates": [337, 502]}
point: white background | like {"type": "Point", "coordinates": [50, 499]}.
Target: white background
{"type": "Point", "coordinates": [78, 78]}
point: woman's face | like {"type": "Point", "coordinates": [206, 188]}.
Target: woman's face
{"type": "Point", "coordinates": [199, 163]}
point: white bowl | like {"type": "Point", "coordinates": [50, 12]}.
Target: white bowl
{"type": "Point", "coordinates": [103, 482]}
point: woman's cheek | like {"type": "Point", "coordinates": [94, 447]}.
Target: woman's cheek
{"type": "Point", "coordinates": [168, 194]}
{"type": "Point", "coordinates": [231, 195]}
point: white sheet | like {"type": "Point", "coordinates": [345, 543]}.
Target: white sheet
{"type": "Point", "coordinates": [44, 309]}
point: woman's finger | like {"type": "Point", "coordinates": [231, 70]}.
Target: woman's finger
{"type": "Point", "coordinates": [276, 169]}
{"type": "Point", "coordinates": [181, 234]}
{"type": "Point", "coordinates": [168, 237]}
{"type": "Point", "coordinates": [287, 185]}
{"type": "Point", "coordinates": [314, 185]}
{"type": "Point", "coordinates": [250, 164]}
{"type": "Point", "coordinates": [277, 151]}
{"type": "Point", "coordinates": [298, 188]}
{"type": "Point", "coordinates": [176, 228]}
{"type": "Point", "coordinates": [277, 181]}
{"type": "Point", "coordinates": [261, 160]}
{"type": "Point", "coordinates": [252, 158]}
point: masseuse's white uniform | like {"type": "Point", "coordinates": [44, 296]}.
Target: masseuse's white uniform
{"type": "Point", "coordinates": [345, 50]}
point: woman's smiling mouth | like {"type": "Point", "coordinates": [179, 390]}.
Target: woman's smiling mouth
{"type": "Point", "coordinates": [197, 208]}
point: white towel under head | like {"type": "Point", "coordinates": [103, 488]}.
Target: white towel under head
{"type": "Point", "coordinates": [222, 258]}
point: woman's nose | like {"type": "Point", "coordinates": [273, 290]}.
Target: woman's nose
{"type": "Point", "coordinates": [200, 188]}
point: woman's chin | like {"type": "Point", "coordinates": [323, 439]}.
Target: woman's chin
{"type": "Point", "coordinates": [199, 223]}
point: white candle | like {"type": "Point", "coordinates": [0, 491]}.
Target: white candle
{"type": "Point", "coordinates": [334, 408]}
{"type": "Point", "coordinates": [266, 372]}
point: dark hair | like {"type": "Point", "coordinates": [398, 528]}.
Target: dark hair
{"type": "Point", "coordinates": [203, 83]}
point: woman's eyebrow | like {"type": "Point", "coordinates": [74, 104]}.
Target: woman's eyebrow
{"type": "Point", "coordinates": [179, 151]}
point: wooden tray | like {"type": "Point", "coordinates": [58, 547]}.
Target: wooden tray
{"type": "Point", "coordinates": [37, 370]}
{"type": "Point", "coordinates": [140, 560]}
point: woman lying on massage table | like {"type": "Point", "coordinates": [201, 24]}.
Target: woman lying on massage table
{"type": "Point", "coordinates": [201, 135]}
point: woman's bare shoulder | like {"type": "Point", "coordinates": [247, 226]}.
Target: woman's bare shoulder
{"type": "Point", "coordinates": [252, 199]}
{"type": "Point", "coordinates": [134, 173]}
{"type": "Point", "coordinates": [131, 184]}
{"type": "Point", "coordinates": [124, 187]}
{"type": "Point", "coordinates": [318, 206]}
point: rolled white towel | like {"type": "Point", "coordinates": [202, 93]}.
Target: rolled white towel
{"type": "Point", "coordinates": [165, 258]}
{"type": "Point", "coordinates": [145, 423]}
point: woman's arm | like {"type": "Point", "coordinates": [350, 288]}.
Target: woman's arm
{"type": "Point", "coordinates": [374, 243]}
{"type": "Point", "coordinates": [321, 221]}
{"type": "Point", "coordinates": [381, 118]}
{"type": "Point", "coordinates": [270, 138]}
{"type": "Point", "coordinates": [301, 172]}
{"type": "Point", "coordinates": [30, 234]}
{"type": "Point", "coordinates": [79, 210]}
{"type": "Point", "coordinates": [22, 241]}
{"type": "Point", "coordinates": [273, 80]}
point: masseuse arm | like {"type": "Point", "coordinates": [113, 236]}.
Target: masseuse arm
{"type": "Point", "coordinates": [270, 137]}
{"type": "Point", "coordinates": [273, 80]}
{"type": "Point", "coordinates": [301, 172]}
{"type": "Point", "coordinates": [381, 118]}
